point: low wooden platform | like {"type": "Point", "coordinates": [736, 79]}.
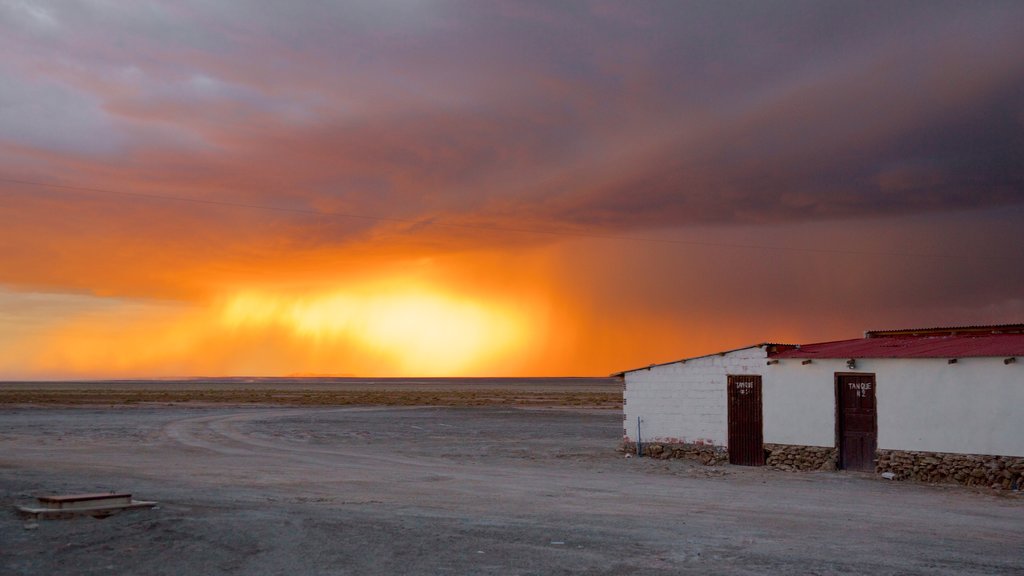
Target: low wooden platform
{"type": "Point", "coordinates": [95, 505]}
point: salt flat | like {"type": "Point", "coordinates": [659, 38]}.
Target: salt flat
{"type": "Point", "coordinates": [469, 490]}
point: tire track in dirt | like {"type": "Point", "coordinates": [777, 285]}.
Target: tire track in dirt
{"type": "Point", "coordinates": [441, 480]}
{"type": "Point", "coordinates": [220, 434]}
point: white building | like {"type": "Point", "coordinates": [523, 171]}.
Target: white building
{"type": "Point", "coordinates": [940, 404]}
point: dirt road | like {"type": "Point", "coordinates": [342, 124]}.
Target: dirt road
{"type": "Point", "coordinates": [396, 490]}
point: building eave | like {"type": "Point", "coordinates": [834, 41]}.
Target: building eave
{"type": "Point", "coordinates": [771, 345]}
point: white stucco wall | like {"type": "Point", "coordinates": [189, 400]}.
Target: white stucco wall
{"type": "Point", "coordinates": [799, 402]}
{"type": "Point", "coordinates": [975, 406]}
{"type": "Point", "coordinates": [685, 402]}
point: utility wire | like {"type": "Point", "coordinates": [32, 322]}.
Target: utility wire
{"type": "Point", "coordinates": [478, 227]}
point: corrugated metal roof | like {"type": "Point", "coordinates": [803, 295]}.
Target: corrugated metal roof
{"type": "Point", "coordinates": [950, 330]}
{"type": "Point", "coordinates": [993, 340]}
{"type": "Point", "coordinates": [909, 346]}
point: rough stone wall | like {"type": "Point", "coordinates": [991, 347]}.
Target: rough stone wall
{"type": "Point", "coordinates": [792, 457]}
{"type": "Point", "coordinates": [703, 453]}
{"type": "Point", "coordinates": [1005, 472]}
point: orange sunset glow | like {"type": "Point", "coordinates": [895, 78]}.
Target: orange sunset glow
{"type": "Point", "coordinates": [508, 189]}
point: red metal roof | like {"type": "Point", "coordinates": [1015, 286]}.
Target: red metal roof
{"type": "Point", "coordinates": [909, 346]}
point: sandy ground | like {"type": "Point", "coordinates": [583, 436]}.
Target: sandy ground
{"type": "Point", "coordinates": [434, 490]}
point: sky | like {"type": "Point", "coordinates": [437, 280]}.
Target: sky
{"type": "Point", "coordinates": [436, 188]}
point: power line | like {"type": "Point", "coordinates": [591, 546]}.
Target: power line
{"type": "Point", "coordinates": [478, 227]}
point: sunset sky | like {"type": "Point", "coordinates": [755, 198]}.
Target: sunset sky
{"type": "Point", "coordinates": [441, 188]}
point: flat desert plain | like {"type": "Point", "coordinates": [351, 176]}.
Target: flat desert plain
{"type": "Point", "coordinates": [522, 483]}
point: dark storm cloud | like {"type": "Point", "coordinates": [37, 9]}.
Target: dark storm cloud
{"type": "Point", "coordinates": [924, 116]}
{"type": "Point", "coordinates": [817, 168]}
{"type": "Point", "coordinates": [598, 115]}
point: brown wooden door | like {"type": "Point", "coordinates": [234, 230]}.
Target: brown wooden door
{"type": "Point", "coordinates": [746, 444]}
{"type": "Point", "coordinates": [856, 421]}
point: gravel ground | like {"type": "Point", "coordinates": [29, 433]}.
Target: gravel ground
{"type": "Point", "coordinates": [433, 490]}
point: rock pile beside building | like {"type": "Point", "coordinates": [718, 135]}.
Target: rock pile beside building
{"type": "Point", "coordinates": [703, 453]}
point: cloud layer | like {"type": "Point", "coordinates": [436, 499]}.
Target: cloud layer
{"type": "Point", "coordinates": [384, 134]}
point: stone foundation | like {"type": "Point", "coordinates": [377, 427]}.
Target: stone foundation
{"type": "Point", "coordinates": [703, 453]}
{"type": "Point", "coordinates": [1005, 472]}
{"type": "Point", "coordinates": [793, 457]}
